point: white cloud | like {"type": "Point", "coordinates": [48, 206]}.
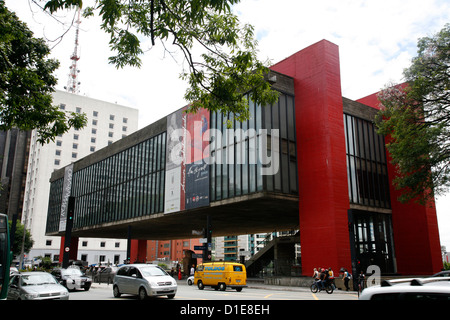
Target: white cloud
{"type": "Point", "coordinates": [377, 39]}
{"type": "Point", "coordinates": [371, 34]}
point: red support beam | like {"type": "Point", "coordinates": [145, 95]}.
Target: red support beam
{"type": "Point", "coordinates": [322, 169]}
{"type": "Point", "coordinates": [138, 252]}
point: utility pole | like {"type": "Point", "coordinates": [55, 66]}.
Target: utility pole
{"type": "Point", "coordinates": [208, 235]}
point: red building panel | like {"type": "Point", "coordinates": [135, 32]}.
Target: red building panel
{"type": "Point", "coordinates": [322, 169]}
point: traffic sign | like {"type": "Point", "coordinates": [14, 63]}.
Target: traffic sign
{"type": "Point", "coordinates": [197, 256]}
{"type": "Point", "coordinates": [200, 247]}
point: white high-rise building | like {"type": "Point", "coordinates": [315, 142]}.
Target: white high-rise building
{"type": "Point", "coordinates": [107, 123]}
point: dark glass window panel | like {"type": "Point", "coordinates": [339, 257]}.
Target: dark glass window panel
{"type": "Point", "coordinates": [366, 165]}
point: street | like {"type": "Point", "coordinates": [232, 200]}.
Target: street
{"type": "Point", "coordinates": [268, 302]}
{"type": "Point", "coordinates": [253, 292]}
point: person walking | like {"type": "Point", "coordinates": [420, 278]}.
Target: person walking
{"type": "Point", "coordinates": [347, 278]}
{"type": "Point", "coordinates": [361, 281]}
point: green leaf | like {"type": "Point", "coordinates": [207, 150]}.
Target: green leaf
{"type": "Point", "coordinates": [416, 119]}
{"type": "Point", "coordinates": [220, 60]}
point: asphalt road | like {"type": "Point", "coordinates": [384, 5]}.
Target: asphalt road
{"type": "Point", "coordinates": [255, 291]}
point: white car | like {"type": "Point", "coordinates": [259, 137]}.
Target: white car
{"type": "Point", "coordinates": [144, 280]}
{"type": "Point", "coordinates": [190, 280]}
{"type": "Point", "coordinates": [429, 289]}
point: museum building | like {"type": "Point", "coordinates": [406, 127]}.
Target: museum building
{"type": "Point", "coordinates": [311, 162]}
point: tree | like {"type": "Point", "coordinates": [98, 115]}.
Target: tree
{"type": "Point", "coordinates": [26, 83]}
{"type": "Point", "coordinates": [224, 70]}
{"type": "Point", "coordinates": [45, 262]}
{"type": "Point", "coordinates": [18, 239]}
{"type": "Point", "coordinates": [416, 118]}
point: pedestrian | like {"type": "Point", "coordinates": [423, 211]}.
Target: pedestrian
{"type": "Point", "coordinates": [347, 278]}
{"type": "Point", "coordinates": [192, 270]}
{"type": "Point", "coordinates": [361, 281]}
{"type": "Point", "coordinates": [179, 274]}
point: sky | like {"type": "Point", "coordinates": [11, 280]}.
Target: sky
{"type": "Point", "coordinates": [377, 39]}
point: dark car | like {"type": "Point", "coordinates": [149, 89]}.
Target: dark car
{"type": "Point", "coordinates": [105, 275]}
{"type": "Point", "coordinates": [72, 278]}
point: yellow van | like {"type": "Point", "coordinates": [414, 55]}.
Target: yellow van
{"type": "Point", "coordinates": [221, 275]}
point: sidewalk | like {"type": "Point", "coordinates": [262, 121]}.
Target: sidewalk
{"type": "Point", "coordinates": [259, 284]}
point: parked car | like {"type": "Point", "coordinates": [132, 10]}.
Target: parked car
{"type": "Point", "coordinates": [106, 275]}
{"type": "Point", "coordinates": [36, 286]}
{"type": "Point", "coordinates": [190, 280]}
{"type": "Point", "coordinates": [72, 278]}
{"type": "Point", "coordinates": [12, 271]}
{"type": "Point", "coordinates": [83, 265]}
{"type": "Point", "coordinates": [144, 280]}
{"type": "Point", "coordinates": [428, 289]}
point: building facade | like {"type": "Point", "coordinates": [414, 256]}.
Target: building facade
{"type": "Point", "coordinates": [170, 251]}
{"type": "Point", "coordinates": [107, 123]}
{"type": "Point", "coordinates": [311, 162]}
{"type": "Point", "coordinates": [14, 150]}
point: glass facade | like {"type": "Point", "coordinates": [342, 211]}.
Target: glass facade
{"type": "Point", "coordinates": [125, 185]}
{"type": "Point", "coordinates": [237, 168]}
{"type": "Point", "coordinates": [131, 183]}
{"type": "Point", "coordinates": [54, 205]}
{"type": "Point", "coordinates": [368, 182]}
{"type": "Point", "coordinates": [368, 186]}
{"type": "Point", "coordinates": [373, 240]}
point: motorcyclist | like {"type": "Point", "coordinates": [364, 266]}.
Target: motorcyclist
{"type": "Point", "coordinates": [322, 279]}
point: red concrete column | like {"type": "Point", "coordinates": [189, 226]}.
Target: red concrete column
{"type": "Point", "coordinates": [322, 168]}
{"type": "Point", "coordinates": [138, 251]}
{"type": "Point", "coordinates": [415, 227]}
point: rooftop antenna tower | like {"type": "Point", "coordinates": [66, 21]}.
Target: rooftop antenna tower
{"type": "Point", "coordinates": [73, 83]}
